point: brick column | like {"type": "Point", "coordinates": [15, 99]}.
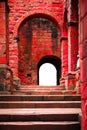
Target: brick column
{"type": "Point", "coordinates": [72, 6]}
{"type": "Point", "coordinates": [72, 10]}
{"type": "Point", "coordinates": [70, 82]}
{"type": "Point", "coordinates": [72, 45]}
{"type": "Point", "coordinates": [64, 58]}
{"type": "Point", "coordinates": [64, 55]}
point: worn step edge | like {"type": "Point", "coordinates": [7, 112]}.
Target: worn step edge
{"type": "Point", "coordinates": [40, 122]}
{"type": "Point", "coordinates": [36, 92]}
{"type": "Point", "coordinates": [40, 125]}
{"type": "Point", "coordinates": [40, 97]}
{"type": "Point", "coordinates": [39, 114]}
{"type": "Point", "coordinates": [39, 104]}
{"type": "Point", "coordinates": [41, 87]}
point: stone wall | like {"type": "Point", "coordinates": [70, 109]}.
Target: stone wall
{"type": "Point", "coordinates": [83, 56]}
{"type": "Point", "coordinates": [3, 31]}
{"type": "Point", "coordinates": [69, 42]}
{"type": "Point", "coordinates": [22, 11]}
{"type": "Point", "coordinates": [38, 37]}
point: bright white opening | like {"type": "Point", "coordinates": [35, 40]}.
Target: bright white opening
{"type": "Point", "coordinates": [47, 75]}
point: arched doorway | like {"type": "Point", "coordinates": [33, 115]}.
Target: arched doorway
{"type": "Point", "coordinates": [38, 36]}
{"type": "Point", "coordinates": [49, 68]}
{"type": "Point", "coordinates": [47, 75]}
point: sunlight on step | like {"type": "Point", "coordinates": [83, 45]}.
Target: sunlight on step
{"type": "Point", "coordinates": [48, 75]}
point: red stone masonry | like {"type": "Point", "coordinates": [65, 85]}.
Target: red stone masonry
{"type": "Point", "coordinates": [2, 33]}
{"type": "Point", "coordinates": [19, 11]}
{"type": "Point", "coordinates": [83, 56]}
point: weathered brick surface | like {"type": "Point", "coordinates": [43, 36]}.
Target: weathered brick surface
{"type": "Point", "coordinates": [72, 18]}
{"type": "Point", "coordinates": [20, 13]}
{"type": "Point", "coordinates": [38, 37]}
{"type": "Point", "coordinates": [72, 6]}
{"type": "Point", "coordinates": [73, 47]}
{"type": "Point", "coordinates": [64, 56]}
{"type": "Point", "coordinates": [30, 41]}
{"type": "Point", "coordinates": [83, 55]}
{"type": "Point", "coordinates": [2, 33]}
{"type": "Point", "coordinates": [41, 45]}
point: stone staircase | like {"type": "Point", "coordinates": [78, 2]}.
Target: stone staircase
{"type": "Point", "coordinates": [44, 90]}
{"type": "Point", "coordinates": [40, 108]}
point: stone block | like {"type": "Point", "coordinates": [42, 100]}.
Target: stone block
{"type": "Point", "coordinates": [70, 82]}
{"type": "Point", "coordinates": [84, 70]}
{"type": "Point", "coordinates": [5, 78]}
{"type": "Point", "coordinates": [16, 83]}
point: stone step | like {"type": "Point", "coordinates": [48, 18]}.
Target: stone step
{"type": "Point", "coordinates": [40, 114]}
{"type": "Point", "coordinates": [40, 104]}
{"type": "Point", "coordinates": [46, 92]}
{"type": "Point", "coordinates": [39, 125]}
{"type": "Point", "coordinates": [40, 88]}
{"type": "Point", "coordinates": [40, 109]}
{"type": "Point", "coordinates": [5, 92]}
{"type": "Point", "coordinates": [12, 97]}
{"type": "Point", "coordinates": [37, 86]}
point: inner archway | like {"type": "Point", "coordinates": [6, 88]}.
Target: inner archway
{"type": "Point", "coordinates": [47, 75]}
{"type": "Point", "coordinates": [49, 68]}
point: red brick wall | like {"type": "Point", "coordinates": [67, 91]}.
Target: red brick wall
{"type": "Point", "coordinates": [3, 39]}
{"type": "Point", "coordinates": [20, 11]}
{"type": "Point", "coordinates": [83, 56]}
{"type": "Point", "coordinates": [64, 44]}
{"type": "Point", "coordinates": [69, 40]}
{"type": "Point", "coordinates": [72, 34]}
{"type": "Point", "coordinates": [38, 37]}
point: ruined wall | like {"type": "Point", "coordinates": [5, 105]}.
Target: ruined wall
{"type": "Point", "coordinates": [69, 43]}
{"type": "Point", "coordinates": [72, 34]}
{"type": "Point", "coordinates": [3, 31]}
{"type": "Point", "coordinates": [38, 37]}
{"type": "Point", "coordinates": [83, 56]}
{"type": "Point", "coordinates": [21, 12]}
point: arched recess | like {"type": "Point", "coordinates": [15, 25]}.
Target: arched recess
{"type": "Point", "coordinates": [56, 62]}
{"type": "Point", "coordinates": [38, 36]}
{"type": "Point", "coordinates": [38, 15]}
